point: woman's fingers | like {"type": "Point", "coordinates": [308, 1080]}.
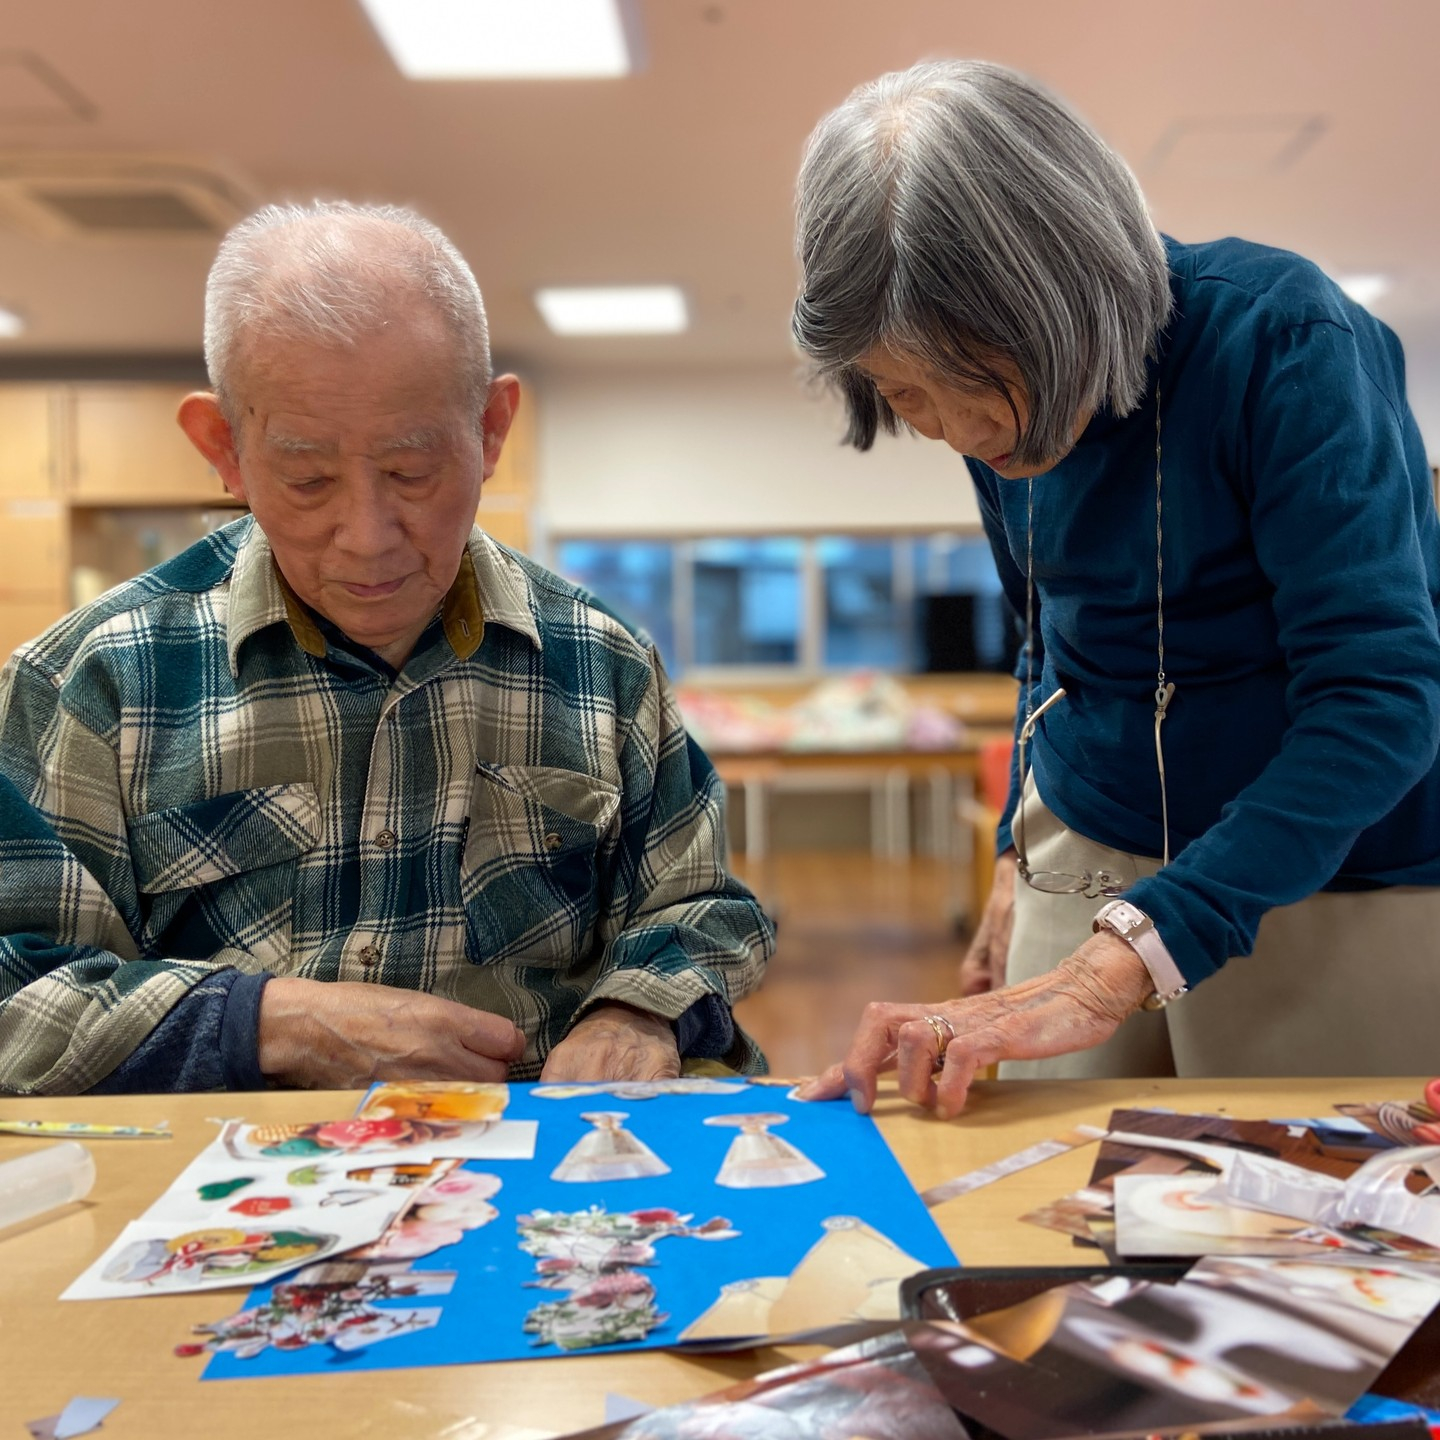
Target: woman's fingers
{"type": "Point", "coordinates": [828, 1085]}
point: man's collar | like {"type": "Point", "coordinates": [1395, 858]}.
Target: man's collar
{"type": "Point", "coordinates": [258, 598]}
{"type": "Point", "coordinates": [503, 588]}
{"type": "Point", "coordinates": [490, 587]}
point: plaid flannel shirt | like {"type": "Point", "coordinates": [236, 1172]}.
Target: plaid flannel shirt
{"type": "Point", "coordinates": [192, 777]}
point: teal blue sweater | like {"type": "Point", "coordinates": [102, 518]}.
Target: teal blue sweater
{"type": "Point", "coordinates": [1301, 555]}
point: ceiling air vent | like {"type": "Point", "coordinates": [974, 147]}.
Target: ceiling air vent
{"type": "Point", "coordinates": [109, 197]}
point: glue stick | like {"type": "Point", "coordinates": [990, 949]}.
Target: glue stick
{"type": "Point", "coordinates": [44, 1180]}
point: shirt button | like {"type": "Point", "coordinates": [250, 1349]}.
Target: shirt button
{"type": "Point", "coordinates": [370, 955]}
{"type": "Point", "coordinates": [385, 839]}
{"type": "Point", "coordinates": [553, 841]}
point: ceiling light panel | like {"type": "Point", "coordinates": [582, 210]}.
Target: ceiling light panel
{"type": "Point", "coordinates": [506, 39]}
{"type": "Point", "coordinates": [11, 324]}
{"type": "Point", "coordinates": [614, 310]}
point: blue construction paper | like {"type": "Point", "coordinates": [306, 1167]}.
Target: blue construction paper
{"type": "Point", "coordinates": [1373, 1409]}
{"type": "Point", "coordinates": [482, 1318]}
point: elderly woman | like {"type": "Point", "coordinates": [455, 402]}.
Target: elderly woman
{"type": "Point", "coordinates": [1209, 502]}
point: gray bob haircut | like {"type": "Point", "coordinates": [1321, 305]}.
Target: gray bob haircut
{"type": "Point", "coordinates": [329, 272]}
{"type": "Point", "coordinates": [959, 215]}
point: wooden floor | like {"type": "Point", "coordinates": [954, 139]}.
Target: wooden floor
{"type": "Point", "coordinates": [851, 929]}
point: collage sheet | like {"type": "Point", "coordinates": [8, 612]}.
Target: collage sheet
{"type": "Point", "coordinates": [469, 1223]}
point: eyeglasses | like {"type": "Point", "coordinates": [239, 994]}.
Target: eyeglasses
{"type": "Point", "coordinates": [1052, 882]}
{"type": "Point", "coordinates": [1097, 883]}
{"type": "Point", "coordinates": [1084, 882]}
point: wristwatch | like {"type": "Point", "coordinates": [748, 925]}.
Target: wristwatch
{"type": "Point", "coordinates": [1138, 931]}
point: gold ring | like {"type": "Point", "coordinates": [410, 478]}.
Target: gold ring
{"type": "Point", "coordinates": [943, 1037]}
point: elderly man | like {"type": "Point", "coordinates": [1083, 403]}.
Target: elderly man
{"type": "Point", "coordinates": [347, 791]}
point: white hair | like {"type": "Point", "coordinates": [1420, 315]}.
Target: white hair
{"type": "Point", "coordinates": [330, 272]}
{"type": "Point", "coordinates": [959, 213]}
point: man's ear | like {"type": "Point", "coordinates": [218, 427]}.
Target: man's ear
{"type": "Point", "coordinates": [500, 407]}
{"type": "Point", "coordinates": [201, 419]}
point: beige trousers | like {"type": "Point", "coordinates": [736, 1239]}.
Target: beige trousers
{"type": "Point", "coordinates": [1339, 984]}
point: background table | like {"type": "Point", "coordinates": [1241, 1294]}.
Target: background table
{"type": "Point", "coordinates": [51, 1352]}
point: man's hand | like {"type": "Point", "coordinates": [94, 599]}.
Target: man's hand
{"type": "Point", "coordinates": [340, 1035]}
{"type": "Point", "coordinates": [615, 1042]}
{"type": "Point", "coordinates": [983, 967]}
{"type": "Point", "coordinates": [1079, 1004]}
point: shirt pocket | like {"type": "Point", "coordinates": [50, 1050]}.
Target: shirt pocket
{"type": "Point", "coordinates": [219, 874]}
{"type": "Point", "coordinates": [529, 873]}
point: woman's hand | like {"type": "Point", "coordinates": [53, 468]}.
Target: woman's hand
{"type": "Point", "coordinates": [1073, 1007]}
{"type": "Point", "coordinates": [983, 967]}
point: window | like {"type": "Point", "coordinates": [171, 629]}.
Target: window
{"type": "Point", "coordinates": [746, 608]}
{"type": "Point", "coordinates": [962, 619]}
{"type": "Point", "coordinates": [888, 602]}
{"type": "Point", "coordinates": [864, 620]}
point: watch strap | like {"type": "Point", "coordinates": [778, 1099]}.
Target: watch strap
{"type": "Point", "coordinates": [1138, 931]}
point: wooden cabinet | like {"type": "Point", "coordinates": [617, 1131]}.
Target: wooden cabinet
{"type": "Point", "coordinates": [33, 554]}
{"type": "Point", "coordinates": [33, 549]}
{"type": "Point", "coordinates": [28, 459]}
{"type": "Point", "coordinates": [98, 482]}
{"type": "Point", "coordinates": [75, 462]}
{"type": "Point", "coordinates": [129, 450]}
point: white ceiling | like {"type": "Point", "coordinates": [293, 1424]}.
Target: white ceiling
{"type": "Point", "coordinates": [1306, 123]}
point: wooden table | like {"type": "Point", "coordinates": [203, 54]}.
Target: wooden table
{"type": "Point", "coordinates": [886, 775]}
{"type": "Point", "coordinates": [51, 1352]}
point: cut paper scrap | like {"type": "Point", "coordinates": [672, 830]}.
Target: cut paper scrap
{"type": "Point", "coordinates": [1127, 1356]}
{"type": "Point", "coordinates": [377, 1139]}
{"type": "Point", "coordinates": [151, 1257]}
{"type": "Point", "coordinates": [622, 1407]}
{"type": "Point", "coordinates": [596, 1257]}
{"type": "Point", "coordinates": [1135, 1134]}
{"type": "Point", "coordinates": [757, 1159]}
{"type": "Point", "coordinates": [331, 1304]}
{"type": "Point", "coordinates": [851, 1274]}
{"type": "Point", "coordinates": [82, 1415]}
{"type": "Point", "coordinates": [1394, 1120]}
{"type": "Point", "coordinates": [1011, 1164]}
{"type": "Point", "coordinates": [438, 1214]}
{"type": "Point", "coordinates": [1071, 1214]}
{"type": "Point", "coordinates": [1375, 1195]}
{"type": "Point", "coordinates": [471, 1102]}
{"type": "Point", "coordinates": [645, 1089]}
{"type": "Point", "coordinates": [742, 1311]}
{"type": "Point", "coordinates": [215, 1190]}
{"type": "Point", "coordinates": [608, 1152]}
{"type": "Point", "coordinates": [1179, 1215]}
{"type": "Point", "coordinates": [876, 1388]}
{"type": "Point", "coordinates": [223, 1223]}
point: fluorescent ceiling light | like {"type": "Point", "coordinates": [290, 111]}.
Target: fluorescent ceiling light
{"type": "Point", "coordinates": [1363, 289]}
{"type": "Point", "coordinates": [614, 310]}
{"type": "Point", "coordinates": [503, 39]}
{"type": "Point", "coordinates": [11, 324]}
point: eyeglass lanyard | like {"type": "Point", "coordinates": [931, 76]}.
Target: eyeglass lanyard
{"type": "Point", "coordinates": [1164, 689]}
